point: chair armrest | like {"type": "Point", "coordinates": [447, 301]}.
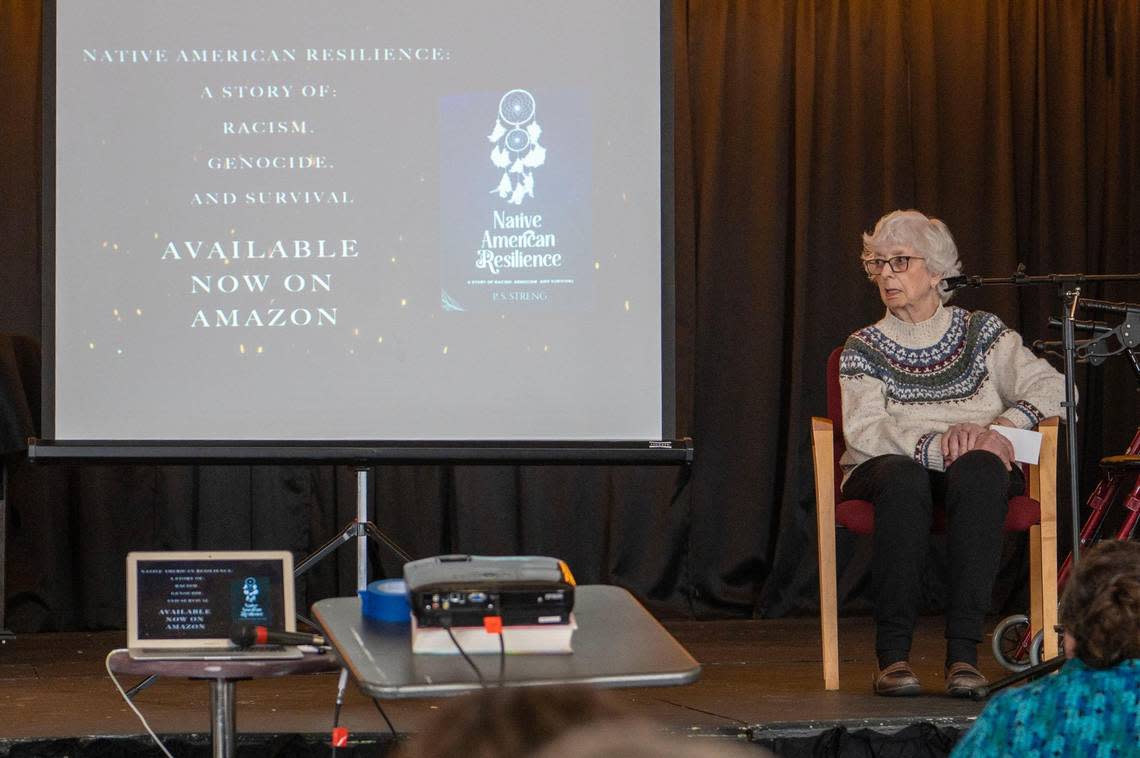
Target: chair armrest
{"type": "Point", "coordinates": [1042, 477]}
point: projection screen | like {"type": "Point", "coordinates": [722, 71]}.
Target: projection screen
{"type": "Point", "coordinates": [360, 221]}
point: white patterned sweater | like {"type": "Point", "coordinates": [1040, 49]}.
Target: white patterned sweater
{"type": "Point", "coordinates": [905, 384]}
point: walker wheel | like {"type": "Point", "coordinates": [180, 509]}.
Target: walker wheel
{"type": "Point", "coordinates": [1007, 638]}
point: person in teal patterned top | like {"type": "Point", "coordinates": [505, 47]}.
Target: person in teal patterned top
{"type": "Point", "coordinates": [1092, 706]}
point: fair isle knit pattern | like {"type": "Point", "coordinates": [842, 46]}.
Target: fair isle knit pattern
{"type": "Point", "coordinates": [905, 384]}
{"type": "Point", "coordinates": [950, 370]}
{"type": "Point", "coordinates": [922, 449]}
{"type": "Point", "coordinates": [1029, 411]}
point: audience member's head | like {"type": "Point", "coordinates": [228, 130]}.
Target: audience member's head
{"type": "Point", "coordinates": [510, 722]}
{"type": "Point", "coordinates": [1100, 608]}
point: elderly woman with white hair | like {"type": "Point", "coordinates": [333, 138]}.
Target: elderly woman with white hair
{"type": "Point", "coordinates": [921, 389]}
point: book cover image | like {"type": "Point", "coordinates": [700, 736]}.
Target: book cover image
{"type": "Point", "coordinates": [515, 205]}
{"type": "Point", "coordinates": [250, 599]}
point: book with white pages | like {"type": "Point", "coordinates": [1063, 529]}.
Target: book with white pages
{"type": "Point", "coordinates": [522, 638]}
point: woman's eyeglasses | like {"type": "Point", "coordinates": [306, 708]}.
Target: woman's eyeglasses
{"type": "Point", "coordinates": [898, 264]}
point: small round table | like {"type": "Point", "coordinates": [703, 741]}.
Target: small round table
{"type": "Point", "coordinates": [223, 677]}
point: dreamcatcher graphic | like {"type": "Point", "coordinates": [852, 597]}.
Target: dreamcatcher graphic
{"type": "Point", "coordinates": [516, 149]}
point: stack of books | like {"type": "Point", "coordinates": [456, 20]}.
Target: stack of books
{"type": "Point", "coordinates": [517, 638]}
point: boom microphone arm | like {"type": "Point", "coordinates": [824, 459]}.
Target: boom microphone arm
{"type": "Point", "coordinates": [1020, 278]}
{"type": "Point", "coordinates": [983, 691]}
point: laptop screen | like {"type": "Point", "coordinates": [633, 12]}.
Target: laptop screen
{"type": "Point", "coordinates": [195, 598]}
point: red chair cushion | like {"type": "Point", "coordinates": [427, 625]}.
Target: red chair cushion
{"type": "Point", "coordinates": [1023, 513]}
{"type": "Point", "coordinates": [858, 516]}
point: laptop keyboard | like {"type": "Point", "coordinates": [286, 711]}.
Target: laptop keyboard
{"type": "Point", "coordinates": [208, 654]}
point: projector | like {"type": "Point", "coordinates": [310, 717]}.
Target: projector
{"type": "Point", "coordinates": [462, 590]}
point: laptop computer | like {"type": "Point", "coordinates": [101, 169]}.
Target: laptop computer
{"type": "Point", "coordinates": [183, 605]}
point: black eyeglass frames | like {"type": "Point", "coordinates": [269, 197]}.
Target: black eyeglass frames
{"type": "Point", "coordinates": [898, 264]}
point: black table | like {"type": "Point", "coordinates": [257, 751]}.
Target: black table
{"type": "Point", "coordinates": [223, 677]}
{"type": "Point", "coordinates": [617, 644]}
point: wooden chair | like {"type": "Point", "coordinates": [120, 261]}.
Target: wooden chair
{"type": "Point", "coordinates": [1035, 512]}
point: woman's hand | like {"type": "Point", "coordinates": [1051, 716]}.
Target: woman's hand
{"type": "Point", "coordinates": [960, 439]}
{"type": "Point", "coordinates": [998, 444]}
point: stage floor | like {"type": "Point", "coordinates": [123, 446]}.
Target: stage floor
{"type": "Point", "coordinates": [760, 679]}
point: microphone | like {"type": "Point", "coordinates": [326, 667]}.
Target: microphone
{"type": "Point", "coordinates": [958, 282]}
{"type": "Point", "coordinates": [1096, 327]}
{"type": "Point", "coordinates": [1046, 346]}
{"type": "Point", "coordinates": [1108, 306]}
{"type": "Point", "coordinates": [245, 635]}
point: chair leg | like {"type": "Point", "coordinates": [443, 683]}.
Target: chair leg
{"type": "Point", "coordinates": [1048, 580]}
{"type": "Point", "coordinates": [1035, 579]}
{"type": "Point", "coordinates": [1048, 499]}
{"type": "Point", "coordinates": [822, 440]}
{"type": "Point", "coordinates": [828, 614]}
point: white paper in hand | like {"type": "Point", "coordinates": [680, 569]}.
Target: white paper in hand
{"type": "Point", "coordinates": [1026, 443]}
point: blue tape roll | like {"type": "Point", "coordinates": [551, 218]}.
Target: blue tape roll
{"type": "Point", "coordinates": [386, 600]}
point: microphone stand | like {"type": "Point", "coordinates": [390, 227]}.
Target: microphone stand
{"type": "Point", "coordinates": [1069, 350]}
{"type": "Point", "coordinates": [983, 691]}
{"type": "Point", "coordinates": [1070, 287]}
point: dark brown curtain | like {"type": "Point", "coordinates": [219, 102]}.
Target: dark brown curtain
{"type": "Point", "coordinates": [797, 125]}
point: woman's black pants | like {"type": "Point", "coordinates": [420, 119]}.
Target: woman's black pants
{"type": "Point", "coordinates": [974, 490]}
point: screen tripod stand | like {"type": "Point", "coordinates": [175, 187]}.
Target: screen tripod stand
{"type": "Point", "coordinates": [360, 528]}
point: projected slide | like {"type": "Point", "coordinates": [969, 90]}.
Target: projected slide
{"type": "Point", "coordinates": [357, 220]}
